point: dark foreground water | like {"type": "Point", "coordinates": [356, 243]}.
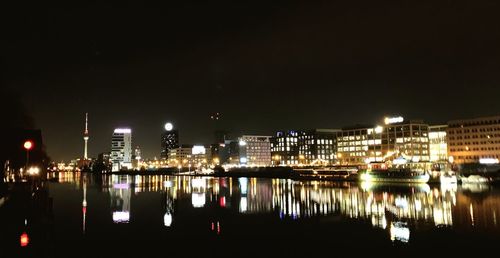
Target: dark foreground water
{"type": "Point", "coordinates": [80, 215]}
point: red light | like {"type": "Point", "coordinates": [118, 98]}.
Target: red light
{"type": "Point", "coordinates": [25, 240]}
{"type": "Point", "coordinates": [28, 145]}
{"type": "Point", "coordinates": [222, 202]}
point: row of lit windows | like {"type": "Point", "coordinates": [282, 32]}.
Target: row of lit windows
{"type": "Point", "coordinates": [478, 157]}
{"type": "Point", "coordinates": [474, 149]}
{"type": "Point", "coordinates": [473, 143]}
{"type": "Point", "coordinates": [489, 129]}
{"type": "Point", "coordinates": [474, 136]}
{"type": "Point", "coordinates": [475, 123]}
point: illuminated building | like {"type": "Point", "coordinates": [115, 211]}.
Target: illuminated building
{"type": "Point", "coordinates": [121, 149]}
{"type": "Point", "coordinates": [318, 146]}
{"type": "Point", "coordinates": [438, 147]}
{"type": "Point", "coordinates": [229, 153]}
{"type": "Point", "coordinates": [169, 140]}
{"type": "Point", "coordinates": [285, 148]}
{"type": "Point", "coordinates": [255, 150]}
{"type": "Point", "coordinates": [474, 140]}
{"type": "Point", "coordinates": [367, 144]}
{"type": "Point", "coordinates": [189, 155]}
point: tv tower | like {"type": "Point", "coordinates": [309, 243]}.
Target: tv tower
{"type": "Point", "coordinates": [86, 136]}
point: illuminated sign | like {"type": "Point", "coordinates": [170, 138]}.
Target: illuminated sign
{"type": "Point", "coordinates": [123, 130]}
{"type": "Point", "coordinates": [198, 149]}
{"type": "Point", "coordinates": [393, 120]}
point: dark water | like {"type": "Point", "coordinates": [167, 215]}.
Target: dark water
{"type": "Point", "coordinates": [81, 215]}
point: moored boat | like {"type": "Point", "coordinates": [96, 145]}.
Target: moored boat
{"type": "Point", "coordinates": [401, 175]}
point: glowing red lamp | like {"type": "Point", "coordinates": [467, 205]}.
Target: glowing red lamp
{"type": "Point", "coordinates": [25, 240]}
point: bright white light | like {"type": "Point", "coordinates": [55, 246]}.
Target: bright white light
{"type": "Point", "coordinates": [33, 170]}
{"type": "Point", "coordinates": [399, 161]}
{"type": "Point", "coordinates": [243, 160]}
{"type": "Point", "coordinates": [243, 143]}
{"type": "Point", "coordinates": [243, 204]}
{"type": "Point", "coordinates": [198, 149]}
{"type": "Point", "coordinates": [167, 184]}
{"type": "Point", "coordinates": [198, 200]}
{"type": "Point", "coordinates": [123, 130]}
{"type": "Point", "coordinates": [167, 219]}
{"type": "Point", "coordinates": [243, 184]}
{"type": "Point", "coordinates": [393, 120]}
{"type": "Point", "coordinates": [379, 129]}
{"type": "Point", "coordinates": [400, 232]}
{"type": "Point", "coordinates": [169, 126]}
{"type": "Point", "coordinates": [198, 183]}
{"type": "Point", "coordinates": [121, 216]}
{"type": "Point", "coordinates": [488, 161]}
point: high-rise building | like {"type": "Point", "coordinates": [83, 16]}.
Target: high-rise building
{"type": "Point", "coordinates": [255, 150]}
{"type": "Point", "coordinates": [397, 139]}
{"type": "Point", "coordinates": [438, 147]}
{"type": "Point", "coordinates": [474, 140]}
{"type": "Point", "coordinates": [318, 146]}
{"type": "Point", "coordinates": [169, 140]}
{"type": "Point", "coordinates": [121, 149]}
{"type": "Point", "coordinates": [285, 148]}
{"type": "Point", "coordinates": [86, 136]}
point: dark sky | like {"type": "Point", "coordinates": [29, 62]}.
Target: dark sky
{"type": "Point", "coordinates": [265, 65]}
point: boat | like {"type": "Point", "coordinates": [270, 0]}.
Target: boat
{"type": "Point", "coordinates": [336, 174]}
{"type": "Point", "coordinates": [480, 178]}
{"type": "Point", "coordinates": [395, 175]}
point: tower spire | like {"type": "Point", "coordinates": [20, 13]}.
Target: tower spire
{"type": "Point", "coordinates": [86, 136]}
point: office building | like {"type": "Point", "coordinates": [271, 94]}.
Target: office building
{"type": "Point", "coordinates": [396, 139]}
{"type": "Point", "coordinates": [285, 148]}
{"type": "Point", "coordinates": [189, 156]}
{"type": "Point", "coordinates": [255, 150]}
{"type": "Point", "coordinates": [474, 140]}
{"type": "Point", "coordinates": [121, 149]}
{"type": "Point", "coordinates": [438, 146]}
{"type": "Point", "coordinates": [318, 146]}
{"type": "Point", "coordinates": [169, 140]}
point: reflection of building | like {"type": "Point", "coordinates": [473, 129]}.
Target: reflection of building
{"type": "Point", "coordinates": [474, 140]}
{"type": "Point", "coordinates": [438, 147]}
{"type": "Point", "coordinates": [285, 148]}
{"type": "Point", "coordinates": [365, 144]}
{"type": "Point", "coordinates": [169, 141]}
{"type": "Point", "coordinates": [121, 149]}
{"type": "Point", "coordinates": [319, 145]}
{"type": "Point", "coordinates": [120, 194]}
{"type": "Point", "coordinates": [255, 150]}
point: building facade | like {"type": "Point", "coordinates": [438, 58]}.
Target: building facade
{"type": "Point", "coordinates": [285, 148]}
{"type": "Point", "coordinates": [474, 140]}
{"type": "Point", "coordinates": [121, 149]}
{"type": "Point", "coordinates": [169, 141]}
{"type": "Point", "coordinates": [255, 150]}
{"type": "Point", "coordinates": [397, 138]}
{"type": "Point", "coordinates": [318, 146]}
{"type": "Point", "coordinates": [189, 156]}
{"type": "Point", "coordinates": [438, 146]}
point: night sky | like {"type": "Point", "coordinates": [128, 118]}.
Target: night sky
{"type": "Point", "coordinates": [265, 65]}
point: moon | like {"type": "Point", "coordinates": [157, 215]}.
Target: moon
{"type": "Point", "coordinates": [169, 126]}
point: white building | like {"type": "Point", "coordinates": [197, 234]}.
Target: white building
{"type": "Point", "coordinates": [255, 150]}
{"type": "Point", "coordinates": [121, 149]}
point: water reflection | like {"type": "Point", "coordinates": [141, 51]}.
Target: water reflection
{"type": "Point", "coordinates": [398, 210]}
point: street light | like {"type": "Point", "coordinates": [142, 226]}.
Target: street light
{"type": "Point", "coordinates": [28, 145]}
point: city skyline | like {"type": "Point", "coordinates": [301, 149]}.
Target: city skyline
{"type": "Point", "coordinates": [264, 66]}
